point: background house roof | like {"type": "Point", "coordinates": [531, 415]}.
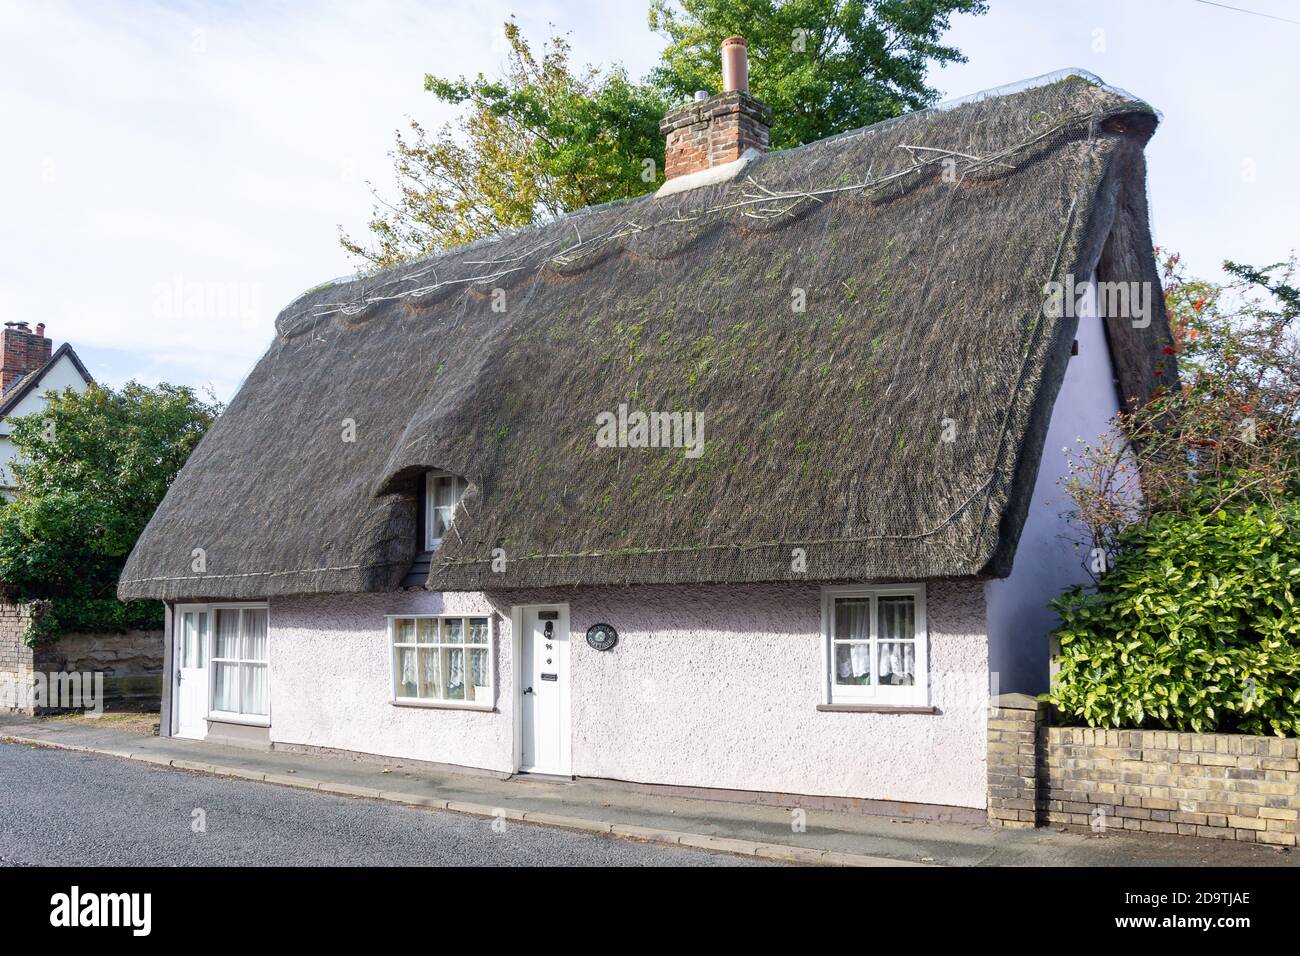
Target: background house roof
{"type": "Point", "coordinates": [922, 246]}
{"type": "Point", "coordinates": [32, 380]}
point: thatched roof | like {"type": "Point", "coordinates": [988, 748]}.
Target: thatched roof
{"type": "Point", "coordinates": [822, 428]}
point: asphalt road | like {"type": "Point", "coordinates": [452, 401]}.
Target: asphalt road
{"type": "Point", "coordinates": [59, 808]}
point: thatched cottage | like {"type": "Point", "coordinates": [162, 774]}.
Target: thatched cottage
{"type": "Point", "coordinates": [747, 485]}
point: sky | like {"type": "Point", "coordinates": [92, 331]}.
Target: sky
{"type": "Point", "coordinates": [173, 174]}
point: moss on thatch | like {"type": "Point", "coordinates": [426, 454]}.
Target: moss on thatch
{"type": "Point", "coordinates": [923, 303]}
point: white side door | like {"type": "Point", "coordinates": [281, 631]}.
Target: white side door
{"type": "Point", "coordinates": [190, 662]}
{"type": "Point", "coordinates": [544, 690]}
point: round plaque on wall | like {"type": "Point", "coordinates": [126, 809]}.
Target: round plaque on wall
{"type": "Point", "coordinates": [602, 637]}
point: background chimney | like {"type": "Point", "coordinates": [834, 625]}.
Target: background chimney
{"type": "Point", "coordinates": [22, 352]}
{"type": "Point", "coordinates": [718, 129]}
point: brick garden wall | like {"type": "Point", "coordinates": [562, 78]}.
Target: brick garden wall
{"type": "Point", "coordinates": [1221, 786]}
{"type": "Point", "coordinates": [1015, 724]}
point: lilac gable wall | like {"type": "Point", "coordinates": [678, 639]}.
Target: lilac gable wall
{"type": "Point", "coordinates": [708, 687]}
{"type": "Point", "coordinates": [1047, 562]}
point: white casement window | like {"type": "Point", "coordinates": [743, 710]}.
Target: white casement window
{"type": "Point", "coordinates": [875, 645]}
{"type": "Point", "coordinates": [239, 686]}
{"type": "Point", "coordinates": [442, 493]}
{"type": "Point", "coordinates": [442, 660]}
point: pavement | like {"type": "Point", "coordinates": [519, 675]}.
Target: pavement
{"type": "Point", "coordinates": [605, 809]}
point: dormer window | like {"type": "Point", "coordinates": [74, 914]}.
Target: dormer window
{"type": "Point", "coordinates": [442, 493]}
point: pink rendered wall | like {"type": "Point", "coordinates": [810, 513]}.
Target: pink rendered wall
{"type": "Point", "coordinates": [331, 683]}
{"type": "Point", "coordinates": [719, 687]}
{"type": "Point", "coordinates": [708, 687]}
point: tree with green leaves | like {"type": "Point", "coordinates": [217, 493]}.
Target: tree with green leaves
{"type": "Point", "coordinates": [541, 141]}
{"type": "Point", "coordinates": [1229, 434]}
{"type": "Point", "coordinates": [92, 468]}
{"type": "Point", "coordinates": [547, 138]}
{"type": "Point", "coordinates": [824, 66]}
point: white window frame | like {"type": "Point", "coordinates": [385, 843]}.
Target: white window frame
{"type": "Point", "coordinates": [916, 695]}
{"type": "Point", "coordinates": [431, 481]}
{"type": "Point", "coordinates": [437, 702]}
{"type": "Point", "coordinates": [227, 716]}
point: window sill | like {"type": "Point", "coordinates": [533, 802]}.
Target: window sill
{"type": "Point", "coordinates": [444, 705]}
{"type": "Point", "coordinates": [876, 709]}
{"type": "Point", "coordinates": [224, 718]}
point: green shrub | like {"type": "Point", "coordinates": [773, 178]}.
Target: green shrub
{"type": "Point", "coordinates": [93, 466]}
{"type": "Point", "coordinates": [1195, 628]}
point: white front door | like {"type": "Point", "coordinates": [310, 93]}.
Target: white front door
{"type": "Point", "coordinates": [544, 690]}
{"type": "Point", "coordinates": [190, 660]}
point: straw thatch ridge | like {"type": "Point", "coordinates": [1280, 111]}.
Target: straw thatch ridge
{"type": "Point", "coordinates": [921, 246]}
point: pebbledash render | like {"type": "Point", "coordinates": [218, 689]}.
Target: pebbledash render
{"type": "Point", "coordinates": [846, 379]}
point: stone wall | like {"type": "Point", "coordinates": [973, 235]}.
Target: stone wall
{"type": "Point", "coordinates": [15, 661]}
{"type": "Point", "coordinates": [132, 663]}
{"type": "Point", "coordinates": [135, 653]}
{"type": "Point", "coordinates": [1220, 786]}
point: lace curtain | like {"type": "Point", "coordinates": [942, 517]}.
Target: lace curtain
{"type": "Point", "coordinates": [897, 632]}
{"type": "Point", "coordinates": [853, 623]}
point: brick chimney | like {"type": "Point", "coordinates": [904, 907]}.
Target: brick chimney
{"type": "Point", "coordinates": [23, 351]}
{"type": "Point", "coordinates": [713, 130]}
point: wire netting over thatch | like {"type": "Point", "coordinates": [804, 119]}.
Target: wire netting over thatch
{"type": "Point", "coordinates": [823, 429]}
